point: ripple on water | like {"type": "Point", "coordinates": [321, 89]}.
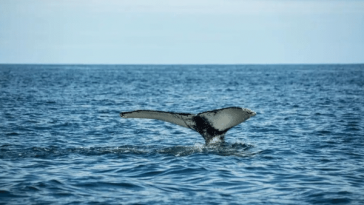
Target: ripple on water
{"type": "Point", "coordinates": [62, 140]}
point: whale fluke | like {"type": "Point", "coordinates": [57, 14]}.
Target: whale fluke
{"type": "Point", "coordinates": [210, 124]}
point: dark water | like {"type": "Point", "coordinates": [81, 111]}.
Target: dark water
{"type": "Point", "coordinates": [63, 142]}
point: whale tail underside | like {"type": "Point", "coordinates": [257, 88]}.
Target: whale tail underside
{"type": "Point", "coordinates": [182, 119]}
{"type": "Point", "coordinates": [209, 124]}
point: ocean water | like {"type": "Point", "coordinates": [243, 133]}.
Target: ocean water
{"type": "Point", "coordinates": [62, 140]}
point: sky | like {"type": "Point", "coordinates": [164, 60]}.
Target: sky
{"type": "Point", "coordinates": [181, 31]}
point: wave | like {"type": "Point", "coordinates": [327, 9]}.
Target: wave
{"type": "Point", "coordinates": [222, 149]}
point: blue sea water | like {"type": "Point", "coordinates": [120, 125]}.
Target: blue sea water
{"type": "Point", "coordinates": [62, 140]}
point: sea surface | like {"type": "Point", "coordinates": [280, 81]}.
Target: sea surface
{"type": "Point", "coordinates": [62, 140]}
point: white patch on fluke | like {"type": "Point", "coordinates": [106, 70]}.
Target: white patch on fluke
{"type": "Point", "coordinates": [226, 118]}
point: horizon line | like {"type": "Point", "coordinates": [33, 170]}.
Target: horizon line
{"type": "Point", "coordinates": [131, 64]}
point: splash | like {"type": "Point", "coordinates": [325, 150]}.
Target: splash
{"type": "Point", "coordinates": [222, 149]}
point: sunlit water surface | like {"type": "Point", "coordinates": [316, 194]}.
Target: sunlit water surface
{"type": "Point", "coordinates": [62, 140]}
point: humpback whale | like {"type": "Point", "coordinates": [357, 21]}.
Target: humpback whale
{"type": "Point", "coordinates": [210, 124]}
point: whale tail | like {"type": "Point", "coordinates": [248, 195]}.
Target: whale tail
{"type": "Point", "coordinates": [210, 124]}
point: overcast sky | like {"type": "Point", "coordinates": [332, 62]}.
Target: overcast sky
{"type": "Point", "coordinates": [181, 32]}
